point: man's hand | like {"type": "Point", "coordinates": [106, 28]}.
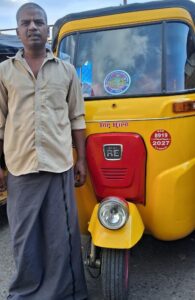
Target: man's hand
{"type": "Point", "coordinates": [2, 181]}
{"type": "Point", "coordinates": [80, 172]}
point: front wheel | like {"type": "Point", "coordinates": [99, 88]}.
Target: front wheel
{"type": "Point", "coordinates": [115, 273]}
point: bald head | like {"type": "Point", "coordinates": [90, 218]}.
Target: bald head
{"type": "Point", "coordinates": [30, 5]}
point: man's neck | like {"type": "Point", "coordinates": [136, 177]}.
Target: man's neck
{"type": "Point", "coordinates": [34, 54]}
{"type": "Point", "coordinates": [35, 60]}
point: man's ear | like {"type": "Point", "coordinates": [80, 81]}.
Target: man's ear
{"type": "Point", "coordinates": [17, 32]}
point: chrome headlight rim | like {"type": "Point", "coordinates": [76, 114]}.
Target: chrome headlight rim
{"type": "Point", "coordinates": [114, 203]}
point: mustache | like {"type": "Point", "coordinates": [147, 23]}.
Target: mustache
{"type": "Point", "coordinates": [33, 34]}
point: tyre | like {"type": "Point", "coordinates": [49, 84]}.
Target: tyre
{"type": "Point", "coordinates": [115, 273]}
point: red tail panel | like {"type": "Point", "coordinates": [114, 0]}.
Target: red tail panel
{"type": "Point", "coordinates": [117, 163]}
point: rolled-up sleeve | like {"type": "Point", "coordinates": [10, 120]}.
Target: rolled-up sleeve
{"type": "Point", "coordinates": [75, 102]}
{"type": "Point", "coordinates": [3, 106]}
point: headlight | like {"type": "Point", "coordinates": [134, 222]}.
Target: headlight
{"type": "Point", "coordinates": [113, 213]}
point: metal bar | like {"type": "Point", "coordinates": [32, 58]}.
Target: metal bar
{"type": "Point", "coordinates": [11, 29]}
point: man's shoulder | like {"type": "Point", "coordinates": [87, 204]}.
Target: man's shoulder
{"type": "Point", "coordinates": [7, 60]}
{"type": "Point", "coordinates": [67, 66]}
{"type": "Point", "coordinates": [6, 64]}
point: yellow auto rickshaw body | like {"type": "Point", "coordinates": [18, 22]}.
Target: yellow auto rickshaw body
{"type": "Point", "coordinates": [163, 118]}
{"type": "Point", "coordinates": [3, 197]}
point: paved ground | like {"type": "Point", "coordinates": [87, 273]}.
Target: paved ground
{"type": "Point", "coordinates": [158, 270]}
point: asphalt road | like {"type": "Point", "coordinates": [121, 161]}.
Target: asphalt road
{"type": "Point", "coordinates": [158, 270]}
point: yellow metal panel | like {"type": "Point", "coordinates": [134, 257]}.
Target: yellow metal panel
{"type": "Point", "coordinates": [86, 201]}
{"type": "Point", "coordinates": [3, 197]}
{"type": "Point", "coordinates": [157, 107]}
{"type": "Point", "coordinates": [172, 211]}
{"type": "Point", "coordinates": [123, 238]}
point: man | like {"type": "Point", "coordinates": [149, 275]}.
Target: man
{"type": "Point", "coordinates": [41, 107]}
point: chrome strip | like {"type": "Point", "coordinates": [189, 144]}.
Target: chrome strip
{"type": "Point", "coordinates": [144, 119]}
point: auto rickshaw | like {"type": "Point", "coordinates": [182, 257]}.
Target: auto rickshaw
{"type": "Point", "coordinates": [136, 64]}
{"type": "Point", "coordinates": [9, 45]}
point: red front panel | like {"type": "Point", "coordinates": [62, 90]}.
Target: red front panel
{"type": "Point", "coordinates": [117, 163]}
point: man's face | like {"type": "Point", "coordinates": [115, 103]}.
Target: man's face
{"type": "Point", "coordinates": [32, 28]}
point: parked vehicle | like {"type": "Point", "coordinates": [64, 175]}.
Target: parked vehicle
{"type": "Point", "coordinates": [136, 64]}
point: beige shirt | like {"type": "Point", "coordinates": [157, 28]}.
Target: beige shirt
{"type": "Point", "coordinates": [37, 115]}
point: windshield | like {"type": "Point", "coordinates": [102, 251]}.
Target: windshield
{"type": "Point", "coordinates": [125, 62]}
{"type": "Point", "coordinates": [179, 49]}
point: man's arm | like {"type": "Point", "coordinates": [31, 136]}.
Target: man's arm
{"type": "Point", "coordinates": [76, 116]}
{"type": "Point", "coordinates": [80, 171]}
{"type": "Point", "coordinates": [3, 116]}
{"type": "Point", "coordinates": [2, 178]}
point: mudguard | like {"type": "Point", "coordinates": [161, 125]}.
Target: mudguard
{"type": "Point", "coordinates": [123, 238]}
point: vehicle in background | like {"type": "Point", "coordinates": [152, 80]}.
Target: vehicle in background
{"type": "Point", "coordinates": [136, 64]}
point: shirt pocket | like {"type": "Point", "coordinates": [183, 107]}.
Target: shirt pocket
{"type": "Point", "coordinates": [57, 106]}
{"type": "Point", "coordinates": [56, 96]}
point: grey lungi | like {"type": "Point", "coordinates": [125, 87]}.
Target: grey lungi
{"type": "Point", "coordinates": [45, 235]}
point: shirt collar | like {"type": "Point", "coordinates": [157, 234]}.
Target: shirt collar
{"type": "Point", "coordinates": [19, 55]}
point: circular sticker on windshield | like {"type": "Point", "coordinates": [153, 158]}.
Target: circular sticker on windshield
{"type": "Point", "coordinates": [117, 82]}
